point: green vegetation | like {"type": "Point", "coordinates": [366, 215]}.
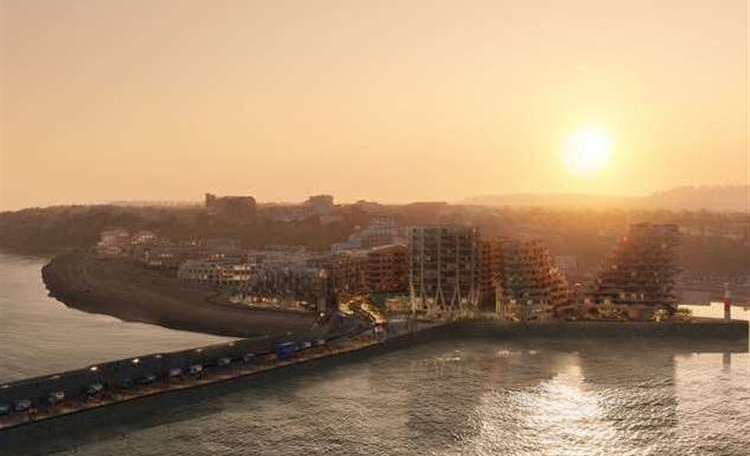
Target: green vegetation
{"type": "Point", "coordinates": [50, 230]}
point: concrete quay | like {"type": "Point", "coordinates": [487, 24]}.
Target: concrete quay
{"type": "Point", "coordinates": [221, 364]}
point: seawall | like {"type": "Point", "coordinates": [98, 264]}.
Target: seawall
{"type": "Point", "coordinates": [703, 336]}
{"type": "Point", "coordinates": [711, 336]}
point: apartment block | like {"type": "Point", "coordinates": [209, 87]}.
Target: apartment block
{"type": "Point", "coordinates": [639, 275]}
{"type": "Point", "coordinates": [445, 274]}
{"type": "Point", "coordinates": [387, 269]}
{"type": "Point", "coordinates": [215, 273]}
{"type": "Point", "coordinates": [528, 283]}
{"type": "Point", "coordinates": [347, 272]}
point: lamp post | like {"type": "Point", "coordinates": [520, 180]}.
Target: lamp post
{"type": "Point", "coordinates": [727, 303]}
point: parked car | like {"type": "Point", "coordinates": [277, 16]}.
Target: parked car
{"type": "Point", "coordinates": [174, 372]}
{"type": "Point", "coordinates": [55, 397]}
{"type": "Point", "coordinates": [223, 362]}
{"type": "Point", "coordinates": [148, 379]}
{"type": "Point", "coordinates": [286, 350]}
{"type": "Point", "coordinates": [195, 369]}
{"type": "Point", "coordinates": [5, 409]}
{"type": "Point", "coordinates": [22, 405]}
{"type": "Point", "coordinates": [248, 357]}
{"type": "Point", "coordinates": [94, 389]}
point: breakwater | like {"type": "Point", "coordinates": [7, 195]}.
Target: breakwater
{"type": "Point", "coordinates": [122, 387]}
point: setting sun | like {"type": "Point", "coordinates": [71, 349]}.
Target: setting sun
{"type": "Point", "coordinates": [588, 152]}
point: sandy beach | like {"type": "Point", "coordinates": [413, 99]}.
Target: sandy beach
{"type": "Point", "coordinates": [132, 293]}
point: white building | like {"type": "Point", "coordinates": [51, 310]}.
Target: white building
{"type": "Point", "coordinates": [113, 242]}
{"type": "Point", "coordinates": [215, 273]}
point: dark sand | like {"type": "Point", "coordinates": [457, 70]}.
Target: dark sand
{"type": "Point", "coordinates": [133, 293]}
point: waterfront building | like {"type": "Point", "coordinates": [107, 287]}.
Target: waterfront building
{"type": "Point", "coordinates": [444, 274]}
{"type": "Point", "coordinates": [293, 287]}
{"type": "Point", "coordinates": [638, 276]}
{"type": "Point", "coordinates": [490, 273]}
{"type": "Point", "coordinates": [528, 283]}
{"type": "Point", "coordinates": [347, 271]}
{"type": "Point", "coordinates": [387, 269]}
{"type": "Point", "coordinates": [215, 273]}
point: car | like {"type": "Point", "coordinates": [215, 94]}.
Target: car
{"type": "Point", "coordinates": [223, 362]}
{"type": "Point", "coordinates": [248, 357]}
{"type": "Point", "coordinates": [55, 397]}
{"type": "Point", "coordinates": [148, 379]}
{"type": "Point", "coordinates": [306, 344]}
{"type": "Point", "coordinates": [126, 383]}
{"type": "Point", "coordinates": [22, 405]}
{"type": "Point", "coordinates": [5, 409]}
{"type": "Point", "coordinates": [286, 351]}
{"type": "Point", "coordinates": [320, 342]}
{"type": "Point", "coordinates": [94, 389]}
{"type": "Point", "coordinates": [195, 369]}
{"type": "Point", "coordinates": [174, 372]}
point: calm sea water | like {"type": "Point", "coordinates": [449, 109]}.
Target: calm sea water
{"type": "Point", "coordinates": [484, 397]}
{"type": "Point", "coordinates": [39, 335]}
{"type": "Point", "coordinates": [479, 397]}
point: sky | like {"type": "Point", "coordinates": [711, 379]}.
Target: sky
{"type": "Point", "coordinates": [378, 100]}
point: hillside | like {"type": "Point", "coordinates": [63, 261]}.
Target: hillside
{"type": "Point", "coordinates": [710, 198]}
{"type": "Point", "coordinates": [50, 230]}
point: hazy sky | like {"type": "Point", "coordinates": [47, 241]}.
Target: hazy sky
{"type": "Point", "coordinates": [384, 100]}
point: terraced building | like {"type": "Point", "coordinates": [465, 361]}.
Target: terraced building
{"type": "Point", "coordinates": [528, 283]}
{"type": "Point", "coordinates": [638, 276]}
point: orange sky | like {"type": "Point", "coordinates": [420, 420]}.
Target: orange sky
{"type": "Point", "coordinates": [383, 100]}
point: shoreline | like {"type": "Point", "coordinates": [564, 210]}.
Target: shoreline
{"type": "Point", "coordinates": [135, 294]}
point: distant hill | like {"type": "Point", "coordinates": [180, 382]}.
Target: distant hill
{"type": "Point", "coordinates": [711, 198]}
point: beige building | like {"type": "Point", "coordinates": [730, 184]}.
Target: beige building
{"type": "Point", "coordinates": [444, 273]}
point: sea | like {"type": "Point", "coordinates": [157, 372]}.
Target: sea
{"type": "Point", "coordinates": [460, 397]}
{"type": "Point", "coordinates": [39, 335]}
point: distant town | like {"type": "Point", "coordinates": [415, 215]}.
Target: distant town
{"type": "Point", "coordinates": [296, 283]}
{"type": "Point", "coordinates": [441, 270]}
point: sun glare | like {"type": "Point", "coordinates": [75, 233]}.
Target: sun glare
{"type": "Point", "coordinates": [588, 152]}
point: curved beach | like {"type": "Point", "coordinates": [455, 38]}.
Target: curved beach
{"type": "Point", "coordinates": [132, 293]}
